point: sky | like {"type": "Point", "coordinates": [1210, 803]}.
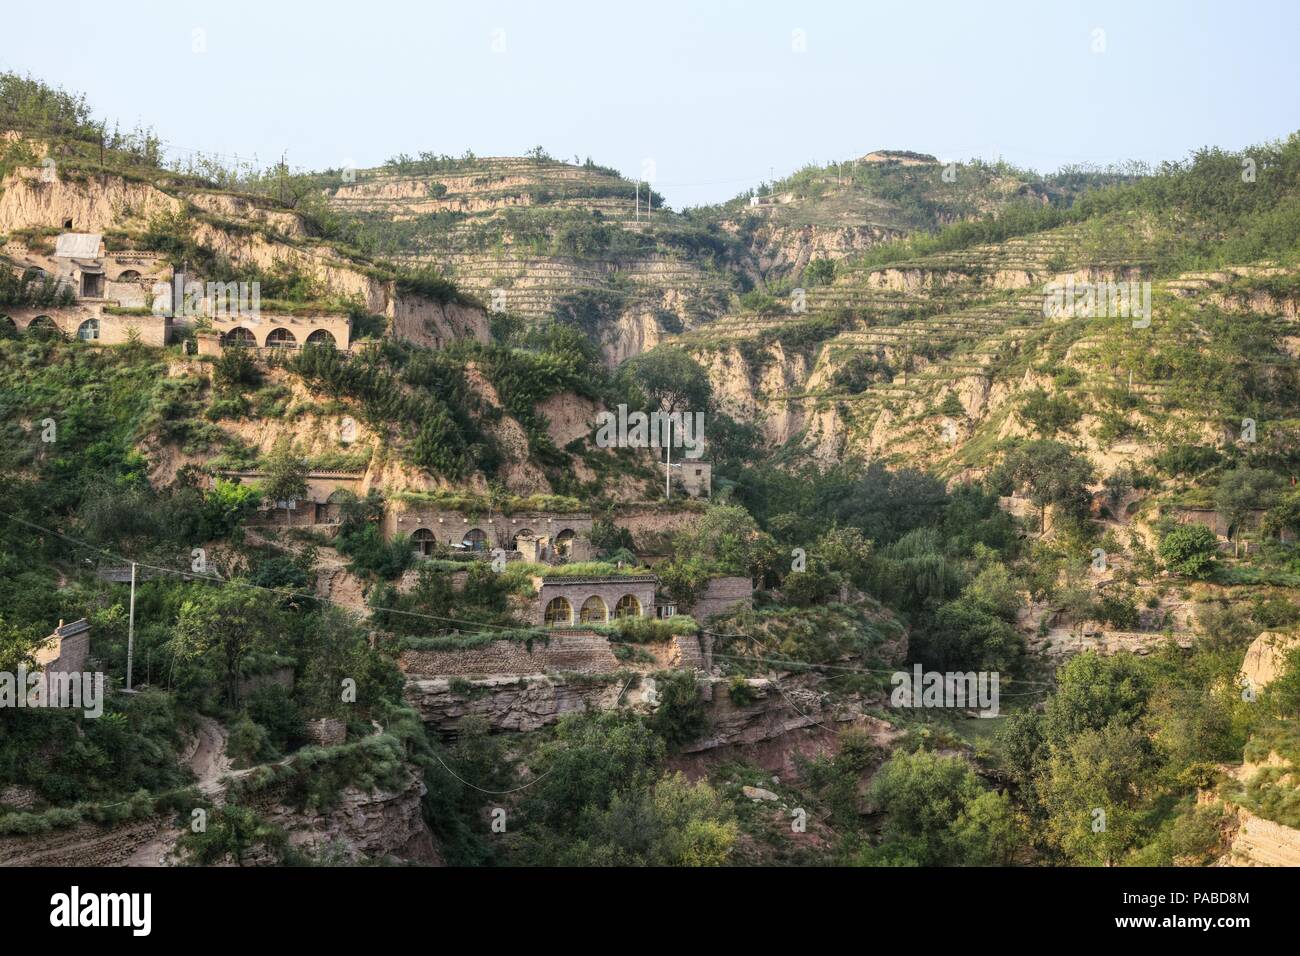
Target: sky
{"type": "Point", "coordinates": [705, 99]}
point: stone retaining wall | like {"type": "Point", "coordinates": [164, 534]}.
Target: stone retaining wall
{"type": "Point", "coordinates": [575, 653]}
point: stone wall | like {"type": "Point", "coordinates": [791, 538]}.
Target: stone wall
{"type": "Point", "coordinates": [723, 595]}
{"type": "Point", "coordinates": [301, 327]}
{"type": "Point", "coordinates": [581, 653]}
{"type": "Point", "coordinates": [643, 520]}
{"type": "Point", "coordinates": [451, 527]}
{"type": "Point", "coordinates": [113, 329]}
{"type": "Point", "coordinates": [326, 731]}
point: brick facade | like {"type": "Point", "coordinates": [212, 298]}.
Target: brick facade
{"type": "Point", "coordinates": [604, 594]}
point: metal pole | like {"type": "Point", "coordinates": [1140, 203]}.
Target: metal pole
{"type": "Point", "coordinates": [130, 630]}
{"type": "Point", "coordinates": [668, 466]}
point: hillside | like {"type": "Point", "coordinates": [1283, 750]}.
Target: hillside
{"type": "Point", "coordinates": [367, 570]}
{"type": "Point", "coordinates": [550, 239]}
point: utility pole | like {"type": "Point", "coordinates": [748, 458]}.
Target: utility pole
{"type": "Point", "coordinates": [130, 630]}
{"type": "Point", "coordinates": [638, 200]}
{"type": "Point", "coordinates": [649, 204]}
{"type": "Point", "coordinates": [668, 465]}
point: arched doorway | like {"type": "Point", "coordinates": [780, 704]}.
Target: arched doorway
{"type": "Point", "coordinates": [422, 542]}
{"type": "Point", "coordinates": [514, 542]}
{"type": "Point", "coordinates": [322, 338]}
{"type": "Point", "coordinates": [594, 611]}
{"type": "Point", "coordinates": [88, 331]}
{"type": "Point", "coordinates": [559, 613]}
{"type": "Point", "coordinates": [128, 275]}
{"type": "Point", "coordinates": [239, 337]}
{"type": "Point", "coordinates": [564, 540]}
{"type": "Point", "coordinates": [44, 327]}
{"type": "Point", "coordinates": [475, 540]}
{"type": "Point", "coordinates": [628, 606]}
{"type": "Point", "coordinates": [281, 339]}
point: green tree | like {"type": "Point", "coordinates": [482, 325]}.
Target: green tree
{"type": "Point", "coordinates": [1051, 473]}
{"type": "Point", "coordinates": [923, 795]}
{"type": "Point", "coordinates": [221, 626]}
{"type": "Point", "coordinates": [1189, 549]}
{"type": "Point", "coordinates": [669, 379]}
{"type": "Point", "coordinates": [1095, 789]}
{"type": "Point", "coordinates": [286, 476]}
{"type": "Point", "coordinates": [1241, 493]}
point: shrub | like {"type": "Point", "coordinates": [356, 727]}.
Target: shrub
{"type": "Point", "coordinates": [1189, 549]}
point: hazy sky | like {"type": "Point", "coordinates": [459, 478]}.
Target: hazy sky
{"type": "Point", "coordinates": [718, 95]}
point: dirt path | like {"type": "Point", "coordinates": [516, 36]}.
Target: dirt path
{"type": "Point", "coordinates": [209, 762]}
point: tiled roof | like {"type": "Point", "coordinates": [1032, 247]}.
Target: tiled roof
{"type": "Point", "coordinates": [73, 629]}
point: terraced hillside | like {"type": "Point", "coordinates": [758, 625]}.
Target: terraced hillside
{"type": "Point", "coordinates": [931, 357]}
{"type": "Point", "coordinates": [838, 210]}
{"type": "Point", "coordinates": [539, 238]}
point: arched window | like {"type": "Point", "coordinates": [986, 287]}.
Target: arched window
{"type": "Point", "coordinates": [514, 542]}
{"type": "Point", "coordinates": [559, 613]}
{"type": "Point", "coordinates": [281, 339]}
{"type": "Point", "coordinates": [239, 336]}
{"type": "Point", "coordinates": [43, 326]}
{"type": "Point", "coordinates": [475, 540]}
{"type": "Point", "coordinates": [322, 338]}
{"type": "Point", "coordinates": [422, 541]}
{"type": "Point", "coordinates": [563, 540]}
{"type": "Point", "coordinates": [88, 331]}
{"type": "Point", "coordinates": [594, 611]}
{"type": "Point", "coordinates": [628, 606]}
{"type": "Point", "coordinates": [128, 275]}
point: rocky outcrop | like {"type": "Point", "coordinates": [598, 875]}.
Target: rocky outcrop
{"type": "Point", "coordinates": [1266, 658]}
{"type": "Point", "coordinates": [29, 199]}
{"type": "Point", "coordinates": [515, 703]}
{"type": "Point", "coordinates": [1260, 842]}
{"type": "Point", "coordinates": [375, 824]}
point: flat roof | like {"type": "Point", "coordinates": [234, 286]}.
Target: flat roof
{"type": "Point", "coordinates": [601, 579]}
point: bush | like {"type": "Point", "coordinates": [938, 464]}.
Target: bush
{"type": "Point", "coordinates": [1189, 549]}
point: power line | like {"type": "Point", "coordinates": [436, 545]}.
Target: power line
{"type": "Point", "coordinates": [488, 628]}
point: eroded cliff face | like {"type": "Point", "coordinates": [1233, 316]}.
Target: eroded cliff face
{"type": "Point", "coordinates": [30, 197]}
{"type": "Point", "coordinates": [771, 709]}
{"type": "Point", "coordinates": [375, 825]}
{"type": "Point", "coordinates": [513, 703]}
{"type": "Point", "coordinates": [1255, 840]}
{"type": "Point", "coordinates": [370, 825]}
{"type": "Point", "coordinates": [786, 249]}
{"type": "Point", "coordinates": [277, 238]}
